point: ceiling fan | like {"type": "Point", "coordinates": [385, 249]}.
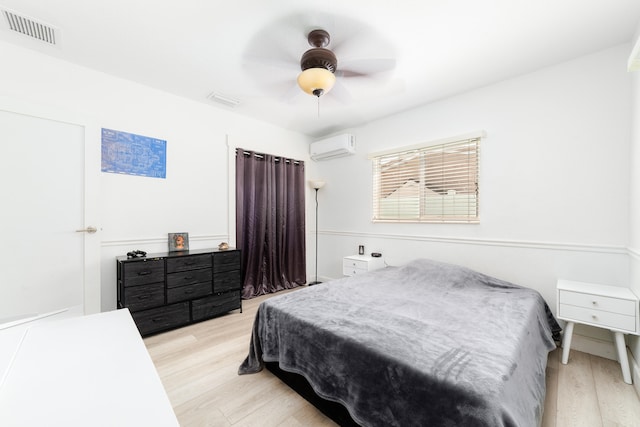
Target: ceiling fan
{"type": "Point", "coordinates": [347, 57]}
{"type": "Point", "coordinates": [319, 65]}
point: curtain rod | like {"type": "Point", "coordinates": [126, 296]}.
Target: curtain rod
{"type": "Point", "coordinates": [261, 156]}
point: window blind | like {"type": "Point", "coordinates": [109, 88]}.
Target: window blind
{"type": "Point", "coordinates": [438, 183]}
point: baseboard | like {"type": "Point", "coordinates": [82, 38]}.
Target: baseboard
{"type": "Point", "coordinates": [594, 346]}
{"type": "Point", "coordinates": [635, 372]}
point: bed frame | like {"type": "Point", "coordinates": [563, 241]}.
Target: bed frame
{"type": "Point", "coordinates": [298, 383]}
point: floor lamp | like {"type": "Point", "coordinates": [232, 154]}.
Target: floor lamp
{"type": "Point", "coordinates": [316, 185]}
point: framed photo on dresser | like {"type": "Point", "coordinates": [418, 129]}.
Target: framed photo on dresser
{"type": "Point", "coordinates": [178, 242]}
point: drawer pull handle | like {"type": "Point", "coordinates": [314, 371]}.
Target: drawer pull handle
{"type": "Point", "coordinates": [144, 273]}
{"type": "Point", "coordinates": [141, 297]}
{"type": "Point", "coordinates": [594, 317]}
{"type": "Point", "coordinates": [157, 319]}
{"type": "Point", "coordinates": [188, 277]}
{"type": "Point", "coordinates": [594, 302]}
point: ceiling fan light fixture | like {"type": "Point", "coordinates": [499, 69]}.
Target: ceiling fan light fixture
{"type": "Point", "coordinates": [316, 81]}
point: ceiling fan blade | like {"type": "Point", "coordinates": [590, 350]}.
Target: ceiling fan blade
{"type": "Point", "coordinates": [354, 35]}
{"type": "Point", "coordinates": [340, 93]}
{"type": "Point", "coordinates": [348, 73]}
{"type": "Point", "coordinates": [276, 45]}
{"type": "Point", "coordinates": [365, 66]}
{"type": "Point", "coordinates": [291, 94]}
{"type": "Point", "coordinates": [271, 61]}
{"type": "Point", "coordinates": [272, 54]}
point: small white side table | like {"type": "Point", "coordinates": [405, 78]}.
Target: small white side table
{"type": "Point", "coordinates": [610, 307]}
{"type": "Point", "coordinates": [358, 264]}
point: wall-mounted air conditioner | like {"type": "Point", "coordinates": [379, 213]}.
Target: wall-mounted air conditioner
{"type": "Point", "coordinates": [332, 147]}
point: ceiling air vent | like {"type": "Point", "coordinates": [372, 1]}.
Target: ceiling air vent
{"type": "Point", "coordinates": [30, 27]}
{"type": "Point", "coordinates": [223, 99]}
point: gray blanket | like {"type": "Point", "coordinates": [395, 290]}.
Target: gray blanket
{"type": "Point", "coordinates": [426, 344]}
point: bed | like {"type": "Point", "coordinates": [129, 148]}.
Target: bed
{"type": "Point", "coordinates": [424, 344]}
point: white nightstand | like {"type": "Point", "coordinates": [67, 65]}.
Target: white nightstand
{"type": "Point", "coordinates": [358, 264]}
{"type": "Point", "coordinates": [610, 307]}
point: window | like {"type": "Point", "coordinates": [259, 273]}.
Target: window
{"type": "Point", "coordinates": [428, 183]}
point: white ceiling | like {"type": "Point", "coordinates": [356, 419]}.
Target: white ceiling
{"type": "Point", "coordinates": [250, 50]}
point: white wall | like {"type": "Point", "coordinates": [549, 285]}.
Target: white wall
{"type": "Point", "coordinates": [138, 212]}
{"type": "Point", "coordinates": [554, 171]}
{"type": "Point", "coordinates": [554, 180]}
{"type": "Point", "coordinates": [634, 205]}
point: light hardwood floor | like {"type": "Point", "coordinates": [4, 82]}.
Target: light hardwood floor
{"type": "Point", "coordinates": [198, 366]}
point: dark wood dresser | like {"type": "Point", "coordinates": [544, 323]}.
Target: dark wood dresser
{"type": "Point", "coordinates": [168, 290]}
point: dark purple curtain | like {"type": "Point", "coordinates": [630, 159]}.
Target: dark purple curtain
{"type": "Point", "coordinates": [270, 222]}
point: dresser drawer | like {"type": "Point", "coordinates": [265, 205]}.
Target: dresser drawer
{"type": "Point", "coordinates": [601, 318]}
{"type": "Point", "coordinates": [214, 305]}
{"type": "Point", "coordinates": [614, 305]}
{"type": "Point", "coordinates": [227, 281]}
{"type": "Point", "coordinates": [226, 261]}
{"type": "Point", "coordinates": [161, 318]}
{"type": "Point", "coordinates": [184, 293]}
{"type": "Point", "coordinates": [142, 272]}
{"type": "Point", "coordinates": [144, 296]}
{"type": "Point", "coordinates": [189, 278]}
{"type": "Point", "coordinates": [189, 262]}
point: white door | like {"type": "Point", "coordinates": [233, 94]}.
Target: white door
{"type": "Point", "coordinates": [46, 265]}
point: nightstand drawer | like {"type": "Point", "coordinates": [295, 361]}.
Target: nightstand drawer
{"type": "Point", "coordinates": [599, 318]}
{"type": "Point", "coordinates": [352, 271]}
{"type": "Point", "coordinates": [358, 264]}
{"type": "Point", "coordinates": [597, 302]}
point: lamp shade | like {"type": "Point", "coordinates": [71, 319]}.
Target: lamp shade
{"type": "Point", "coordinates": [316, 184]}
{"type": "Point", "coordinates": [316, 81]}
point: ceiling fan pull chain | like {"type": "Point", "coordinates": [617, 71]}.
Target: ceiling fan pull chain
{"type": "Point", "coordinates": [318, 107]}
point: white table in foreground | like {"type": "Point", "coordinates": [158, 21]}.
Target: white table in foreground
{"type": "Point", "coordinates": [610, 307]}
{"type": "Point", "coordinates": [85, 371]}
